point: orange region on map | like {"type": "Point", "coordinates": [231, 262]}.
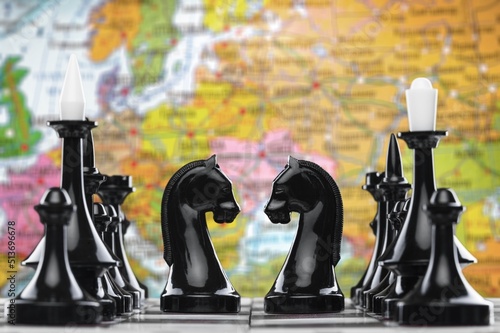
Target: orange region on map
{"type": "Point", "coordinates": [113, 23]}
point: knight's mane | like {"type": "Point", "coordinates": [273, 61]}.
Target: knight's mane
{"type": "Point", "coordinates": [339, 211]}
{"type": "Point", "coordinates": [165, 212]}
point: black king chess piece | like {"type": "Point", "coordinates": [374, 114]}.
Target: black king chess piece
{"type": "Point", "coordinates": [393, 189]}
{"type": "Point", "coordinates": [443, 296]}
{"type": "Point", "coordinates": [409, 255]}
{"type": "Point", "coordinates": [53, 296]}
{"type": "Point", "coordinates": [307, 282]}
{"type": "Point", "coordinates": [371, 181]}
{"type": "Point", "coordinates": [196, 281]}
{"type": "Point", "coordinates": [114, 191]}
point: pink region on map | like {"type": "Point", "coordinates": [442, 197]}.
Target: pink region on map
{"type": "Point", "coordinates": [252, 166]}
{"type": "Point", "coordinates": [17, 198]}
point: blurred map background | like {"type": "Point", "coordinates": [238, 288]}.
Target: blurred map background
{"type": "Point", "coordinates": [253, 82]}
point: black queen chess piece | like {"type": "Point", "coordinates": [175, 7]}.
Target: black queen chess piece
{"type": "Point", "coordinates": [443, 296]}
{"type": "Point", "coordinates": [196, 280]}
{"type": "Point", "coordinates": [372, 179]}
{"type": "Point", "coordinates": [307, 282]}
{"type": "Point", "coordinates": [88, 255]}
{"type": "Point", "coordinates": [114, 191]}
{"type": "Point", "coordinates": [409, 255]}
{"type": "Point", "coordinates": [53, 296]}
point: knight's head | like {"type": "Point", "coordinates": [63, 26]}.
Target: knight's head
{"type": "Point", "coordinates": [294, 189]}
{"type": "Point", "coordinates": [208, 189]}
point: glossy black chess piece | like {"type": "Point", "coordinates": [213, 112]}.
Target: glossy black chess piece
{"type": "Point", "coordinates": [53, 296]}
{"type": "Point", "coordinates": [114, 191]}
{"type": "Point", "coordinates": [396, 218]}
{"type": "Point", "coordinates": [409, 255]}
{"type": "Point", "coordinates": [88, 255]}
{"type": "Point", "coordinates": [307, 282]}
{"type": "Point", "coordinates": [393, 188]}
{"type": "Point", "coordinates": [110, 236]}
{"type": "Point", "coordinates": [371, 181]}
{"type": "Point", "coordinates": [444, 297]}
{"type": "Point", "coordinates": [122, 299]}
{"type": "Point", "coordinates": [196, 281]}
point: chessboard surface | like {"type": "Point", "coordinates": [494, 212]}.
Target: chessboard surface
{"type": "Point", "coordinates": [250, 319]}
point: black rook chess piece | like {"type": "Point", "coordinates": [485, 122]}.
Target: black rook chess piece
{"type": "Point", "coordinates": [371, 181]}
{"type": "Point", "coordinates": [53, 296]}
{"type": "Point", "coordinates": [307, 282]}
{"type": "Point", "coordinates": [444, 297]}
{"type": "Point", "coordinates": [196, 281]}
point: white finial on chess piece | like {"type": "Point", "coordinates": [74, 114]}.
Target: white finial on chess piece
{"type": "Point", "coordinates": [421, 101]}
{"type": "Point", "coordinates": [72, 100]}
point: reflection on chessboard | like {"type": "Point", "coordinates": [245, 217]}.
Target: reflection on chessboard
{"type": "Point", "coordinates": [251, 319]}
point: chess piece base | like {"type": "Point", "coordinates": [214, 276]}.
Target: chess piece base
{"type": "Point", "coordinates": [303, 303]}
{"type": "Point", "coordinates": [444, 314]}
{"type": "Point", "coordinates": [32, 312]}
{"type": "Point", "coordinates": [200, 303]}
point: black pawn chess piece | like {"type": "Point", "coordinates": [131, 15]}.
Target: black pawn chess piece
{"type": "Point", "coordinates": [396, 218]}
{"type": "Point", "coordinates": [409, 255]}
{"type": "Point", "coordinates": [444, 297]}
{"type": "Point", "coordinates": [122, 299]}
{"type": "Point", "coordinates": [109, 236]}
{"type": "Point", "coordinates": [196, 281]}
{"type": "Point", "coordinates": [371, 181]}
{"type": "Point", "coordinates": [88, 255]}
{"type": "Point", "coordinates": [53, 296]}
{"type": "Point", "coordinates": [393, 188]}
{"type": "Point", "coordinates": [307, 282]}
{"type": "Point", "coordinates": [114, 191]}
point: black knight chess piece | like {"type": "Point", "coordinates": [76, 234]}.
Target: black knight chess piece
{"type": "Point", "coordinates": [443, 296]}
{"type": "Point", "coordinates": [53, 296]}
{"type": "Point", "coordinates": [307, 282]}
{"type": "Point", "coordinates": [196, 281]}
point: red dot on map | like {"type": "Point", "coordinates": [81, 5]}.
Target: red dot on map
{"type": "Point", "coordinates": [149, 186]}
{"type": "Point", "coordinates": [24, 147]}
{"type": "Point", "coordinates": [218, 75]}
{"type": "Point", "coordinates": [40, 181]}
{"type": "Point", "coordinates": [133, 131]}
{"type": "Point", "coordinates": [123, 35]}
{"type": "Point", "coordinates": [124, 91]}
{"type": "Point", "coordinates": [133, 164]}
{"type": "Point", "coordinates": [316, 85]}
{"type": "Point", "coordinates": [173, 41]}
{"type": "Point", "coordinates": [243, 111]}
{"type": "Point", "coordinates": [190, 134]}
{"type": "Point", "coordinates": [223, 44]}
{"type": "Point", "coordinates": [226, 27]}
{"type": "Point", "coordinates": [262, 154]}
